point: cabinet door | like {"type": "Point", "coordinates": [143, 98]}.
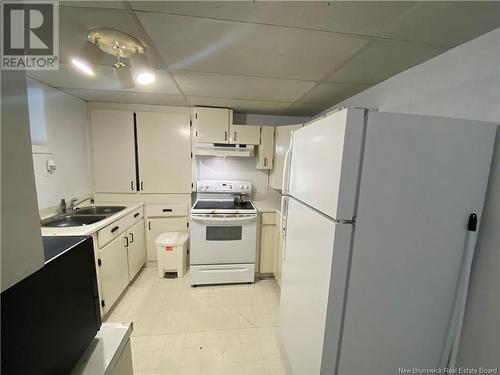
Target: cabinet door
{"type": "Point", "coordinates": [266, 147]}
{"type": "Point", "coordinates": [282, 143]}
{"type": "Point", "coordinates": [245, 134]}
{"type": "Point", "coordinates": [211, 125]}
{"type": "Point", "coordinates": [161, 225]}
{"type": "Point", "coordinates": [113, 271]}
{"type": "Point", "coordinates": [267, 243]}
{"type": "Point", "coordinates": [164, 151]}
{"type": "Point", "coordinates": [136, 250]}
{"type": "Point", "coordinates": [113, 150]}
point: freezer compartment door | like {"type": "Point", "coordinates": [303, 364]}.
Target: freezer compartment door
{"type": "Point", "coordinates": [324, 163]}
{"type": "Point", "coordinates": [422, 178]}
{"type": "Point", "coordinates": [312, 242]}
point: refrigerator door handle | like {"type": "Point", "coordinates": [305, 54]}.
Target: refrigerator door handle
{"type": "Point", "coordinates": [283, 215]}
{"type": "Point", "coordinates": [286, 168]}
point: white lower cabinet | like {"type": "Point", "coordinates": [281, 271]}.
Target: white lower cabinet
{"type": "Point", "coordinates": [136, 249]}
{"type": "Point", "coordinates": [268, 246]}
{"type": "Point", "coordinates": [113, 271]}
{"type": "Point", "coordinates": [121, 254]}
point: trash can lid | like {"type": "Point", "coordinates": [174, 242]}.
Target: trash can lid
{"type": "Point", "coordinates": [171, 239]}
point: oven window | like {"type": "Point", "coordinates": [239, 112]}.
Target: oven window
{"type": "Point", "coordinates": [223, 233]}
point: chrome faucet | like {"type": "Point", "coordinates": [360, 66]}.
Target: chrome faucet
{"type": "Point", "coordinates": [74, 202]}
{"type": "Point", "coordinates": [62, 206]}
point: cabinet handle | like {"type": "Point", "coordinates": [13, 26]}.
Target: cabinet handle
{"type": "Point", "coordinates": [132, 185]}
{"type": "Point", "coordinates": [149, 225]}
{"type": "Point", "coordinates": [235, 136]}
{"type": "Point", "coordinates": [142, 185]}
{"type": "Point", "coordinates": [225, 135]}
{"type": "Point", "coordinates": [136, 214]}
{"type": "Point", "coordinates": [131, 237]}
{"type": "Point", "coordinates": [265, 162]}
{"type": "Point", "coordinates": [167, 210]}
{"type": "Point", "coordinates": [126, 241]}
{"type": "Point", "coordinates": [114, 229]}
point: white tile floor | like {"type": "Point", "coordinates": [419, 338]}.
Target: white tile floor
{"type": "Point", "coordinates": [228, 329]}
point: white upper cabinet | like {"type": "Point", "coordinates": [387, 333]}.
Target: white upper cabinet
{"type": "Point", "coordinates": [164, 152]}
{"type": "Point", "coordinates": [266, 148]}
{"type": "Point", "coordinates": [211, 125]}
{"type": "Point", "coordinates": [282, 144]}
{"type": "Point", "coordinates": [113, 151]}
{"type": "Point", "coordinates": [244, 134]}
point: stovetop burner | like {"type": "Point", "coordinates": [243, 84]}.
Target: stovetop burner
{"type": "Point", "coordinates": [222, 205]}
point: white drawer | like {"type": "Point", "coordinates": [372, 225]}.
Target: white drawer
{"type": "Point", "coordinates": [113, 230]}
{"type": "Point", "coordinates": [222, 274]}
{"type": "Point", "coordinates": [161, 210]}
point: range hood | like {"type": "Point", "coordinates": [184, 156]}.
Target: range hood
{"type": "Point", "coordinates": [223, 149]}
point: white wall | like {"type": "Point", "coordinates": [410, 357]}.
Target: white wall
{"type": "Point", "coordinates": [274, 120]}
{"type": "Point", "coordinates": [67, 141]}
{"type": "Point", "coordinates": [232, 168]}
{"type": "Point", "coordinates": [462, 83]}
{"type": "Point", "coordinates": [21, 245]}
{"type": "Point", "coordinates": [236, 168]}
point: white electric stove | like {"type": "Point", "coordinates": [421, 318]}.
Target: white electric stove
{"type": "Point", "coordinates": [223, 233]}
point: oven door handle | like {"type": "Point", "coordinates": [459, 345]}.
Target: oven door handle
{"type": "Point", "coordinates": [224, 220]}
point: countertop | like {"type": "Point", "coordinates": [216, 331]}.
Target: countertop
{"type": "Point", "coordinates": [92, 228]}
{"type": "Point", "coordinates": [54, 246]}
{"type": "Point", "coordinates": [268, 203]}
{"type": "Point", "coordinates": [101, 356]}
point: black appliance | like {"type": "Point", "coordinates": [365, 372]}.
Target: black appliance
{"type": "Point", "coordinates": [50, 318]}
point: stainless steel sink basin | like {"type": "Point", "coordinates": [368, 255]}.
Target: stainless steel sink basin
{"type": "Point", "coordinates": [72, 221]}
{"type": "Point", "coordinates": [98, 210]}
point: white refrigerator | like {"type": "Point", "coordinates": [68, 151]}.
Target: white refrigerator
{"type": "Point", "coordinates": [375, 217]}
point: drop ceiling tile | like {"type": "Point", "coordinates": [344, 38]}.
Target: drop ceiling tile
{"type": "Point", "coordinates": [240, 87]}
{"type": "Point", "coordinates": [446, 23]}
{"type": "Point", "coordinates": [104, 79]}
{"type": "Point", "coordinates": [206, 45]}
{"type": "Point", "coordinates": [94, 4]}
{"type": "Point", "coordinates": [383, 59]}
{"type": "Point", "coordinates": [363, 17]}
{"type": "Point", "coordinates": [331, 93]}
{"type": "Point", "coordinates": [305, 109]}
{"type": "Point", "coordinates": [127, 97]}
{"type": "Point", "coordinates": [75, 22]}
{"type": "Point", "coordinates": [240, 105]}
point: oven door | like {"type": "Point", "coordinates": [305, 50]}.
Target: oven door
{"type": "Point", "coordinates": [223, 239]}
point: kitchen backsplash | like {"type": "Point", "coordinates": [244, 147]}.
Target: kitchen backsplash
{"type": "Point", "coordinates": [232, 168]}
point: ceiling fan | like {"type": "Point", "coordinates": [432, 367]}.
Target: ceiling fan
{"type": "Point", "coordinates": [128, 53]}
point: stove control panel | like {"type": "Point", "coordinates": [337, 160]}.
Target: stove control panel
{"type": "Point", "coordinates": [209, 186]}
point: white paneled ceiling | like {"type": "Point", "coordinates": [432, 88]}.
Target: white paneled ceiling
{"type": "Point", "coordinates": [274, 57]}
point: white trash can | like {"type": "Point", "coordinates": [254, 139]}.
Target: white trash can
{"type": "Point", "coordinates": [171, 251]}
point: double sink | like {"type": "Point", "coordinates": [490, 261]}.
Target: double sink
{"type": "Point", "coordinates": [81, 216]}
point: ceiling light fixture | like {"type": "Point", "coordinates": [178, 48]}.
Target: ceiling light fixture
{"type": "Point", "coordinates": [83, 66]}
{"type": "Point", "coordinates": [143, 73]}
{"type": "Point", "coordinates": [124, 48]}
{"type": "Point", "coordinates": [87, 59]}
{"type": "Point", "coordinates": [145, 78]}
